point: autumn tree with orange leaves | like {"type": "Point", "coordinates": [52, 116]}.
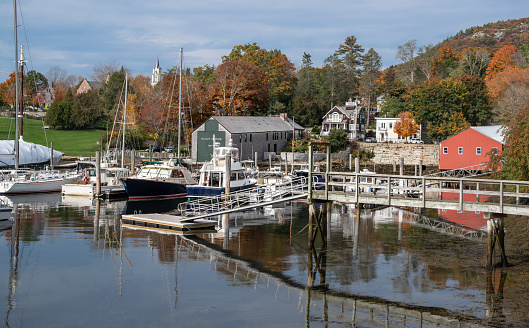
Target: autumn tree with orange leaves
{"type": "Point", "coordinates": [502, 59]}
{"type": "Point", "coordinates": [405, 126]}
{"type": "Point", "coordinates": [240, 89]}
{"type": "Point", "coordinates": [278, 69]}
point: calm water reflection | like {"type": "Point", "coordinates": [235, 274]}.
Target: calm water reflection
{"type": "Point", "coordinates": [67, 262]}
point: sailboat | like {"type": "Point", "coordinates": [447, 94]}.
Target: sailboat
{"type": "Point", "coordinates": [165, 179]}
{"type": "Point", "coordinates": [16, 181]}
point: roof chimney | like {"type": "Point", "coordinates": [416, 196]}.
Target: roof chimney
{"type": "Point", "coordinates": [284, 116]}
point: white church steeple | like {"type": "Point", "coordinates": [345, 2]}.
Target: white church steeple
{"type": "Point", "coordinates": [156, 73]}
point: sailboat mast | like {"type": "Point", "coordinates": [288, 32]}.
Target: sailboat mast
{"type": "Point", "coordinates": [124, 120]}
{"type": "Point", "coordinates": [180, 104]}
{"type": "Point", "coordinates": [21, 63]}
{"type": "Point", "coordinates": [17, 132]}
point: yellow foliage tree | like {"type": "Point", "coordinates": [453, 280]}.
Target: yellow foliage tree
{"type": "Point", "coordinates": [406, 125]}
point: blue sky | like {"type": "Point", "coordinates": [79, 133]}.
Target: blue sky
{"type": "Point", "coordinates": [77, 35]}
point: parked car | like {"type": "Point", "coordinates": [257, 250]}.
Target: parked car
{"type": "Point", "coordinates": [370, 139]}
{"type": "Point", "coordinates": [416, 141]}
{"type": "Point", "coordinates": [157, 149]}
{"type": "Point", "coordinates": [171, 148]}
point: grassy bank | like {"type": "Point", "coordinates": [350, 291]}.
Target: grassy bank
{"type": "Point", "coordinates": [71, 142]}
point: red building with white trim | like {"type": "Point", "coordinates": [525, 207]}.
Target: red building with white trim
{"type": "Point", "coordinates": [469, 148]}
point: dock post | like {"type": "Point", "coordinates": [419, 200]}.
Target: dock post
{"type": "Point", "coordinates": [401, 163]}
{"type": "Point", "coordinates": [350, 162]}
{"type": "Point", "coordinates": [329, 160]}
{"type": "Point", "coordinates": [132, 161]}
{"type": "Point", "coordinates": [357, 165]}
{"type": "Point", "coordinates": [227, 175]}
{"type": "Point", "coordinates": [490, 243]}
{"type": "Point", "coordinates": [98, 174]}
{"type": "Point", "coordinates": [255, 159]}
{"type": "Point", "coordinates": [420, 167]}
{"type": "Point", "coordinates": [495, 232]}
{"type": "Point", "coordinates": [270, 161]}
{"type": "Point", "coordinates": [311, 164]}
{"type": "Point", "coordinates": [51, 156]}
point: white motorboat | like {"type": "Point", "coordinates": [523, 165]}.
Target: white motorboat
{"type": "Point", "coordinates": [213, 175]}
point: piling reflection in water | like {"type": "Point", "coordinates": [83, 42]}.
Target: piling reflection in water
{"type": "Point", "coordinates": [350, 266]}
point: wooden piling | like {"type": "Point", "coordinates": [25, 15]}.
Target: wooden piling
{"type": "Point", "coordinates": [98, 174]}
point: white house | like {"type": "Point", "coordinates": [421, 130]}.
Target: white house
{"type": "Point", "coordinates": [385, 131]}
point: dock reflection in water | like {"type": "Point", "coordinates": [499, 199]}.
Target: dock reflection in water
{"type": "Point", "coordinates": [380, 269]}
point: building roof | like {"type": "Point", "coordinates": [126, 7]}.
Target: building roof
{"type": "Point", "coordinates": [254, 124]}
{"type": "Point", "coordinates": [494, 131]}
{"type": "Point", "coordinates": [95, 85]}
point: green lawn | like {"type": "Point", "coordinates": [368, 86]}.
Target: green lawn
{"type": "Point", "coordinates": [71, 142]}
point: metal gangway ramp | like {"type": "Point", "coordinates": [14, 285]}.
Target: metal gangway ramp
{"type": "Point", "coordinates": [257, 196]}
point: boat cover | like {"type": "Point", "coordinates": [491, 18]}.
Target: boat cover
{"type": "Point", "coordinates": [30, 153]}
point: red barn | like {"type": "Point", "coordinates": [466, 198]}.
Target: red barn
{"type": "Point", "coordinates": [469, 148]}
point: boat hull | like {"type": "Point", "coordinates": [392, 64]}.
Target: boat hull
{"type": "Point", "coordinates": [204, 191]}
{"type": "Point", "coordinates": [29, 187]}
{"type": "Point", "coordinates": [138, 189]}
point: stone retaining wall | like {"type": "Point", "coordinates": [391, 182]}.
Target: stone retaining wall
{"type": "Point", "coordinates": [412, 153]}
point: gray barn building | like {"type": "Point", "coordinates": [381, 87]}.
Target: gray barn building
{"type": "Point", "coordinates": [250, 134]}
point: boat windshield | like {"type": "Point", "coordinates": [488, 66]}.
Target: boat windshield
{"type": "Point", "coordinates": [221, 152]}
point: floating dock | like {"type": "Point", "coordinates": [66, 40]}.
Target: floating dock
{"type": "Point", "coordinates": [167, 222]}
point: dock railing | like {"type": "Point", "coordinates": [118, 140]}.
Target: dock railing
{"type": "Point", "coordinates": [486, 195]}
{"type": "Point", "coordinates": [240, 198]}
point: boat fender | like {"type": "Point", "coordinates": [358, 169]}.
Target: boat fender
{"type": "Point", "coordinates": [86, 179]}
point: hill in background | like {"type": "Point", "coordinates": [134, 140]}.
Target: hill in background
{"type": "Point", "coordinates": [492, 36]}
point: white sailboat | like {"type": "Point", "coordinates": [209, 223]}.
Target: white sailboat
{"type": "Point", "coordinates": [18, 181]}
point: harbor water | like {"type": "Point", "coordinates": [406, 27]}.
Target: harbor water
{"type": "Point", "coordinates": [69, 262]}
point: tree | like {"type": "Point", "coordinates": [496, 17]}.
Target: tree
{"type": "Point", "coordinates": [474, 61]}
{"type": "Point", "coordinates": [509, 91]}
{"type": "Point", "coordinates": [406, 54]}
{"type": "Point", "coordinates": [502, 59]}
{"type": "Point", "coordinates": [449, 124]}
{"type": "Point", "coordinates": [102, 72]}
{"type": "Point", "coordinates": [338, 139]}
{"type": "Point", "coordinates": [445, 63]}
{"type": "Point", "coordinates": [515, 154]}
{"type": "Point", "coordinates": [59, 115]}
{"type": "Point", "coordinates": [371, 63]}
{"type": "Point", "coordinates": [392, 106]}
{"type": "Point", "coordinates": [477, 108]}
{"type": "Point", "coordinates": [405, 125]}
{"type": "Point", "coordinates": [430, 101]}
{"type": "Point", "coordinates": [279, 71]}
{"type": "Point", "coordinates": [87, 110]}
{"type": "Point", "coordinates": [240, 88]}
{"type": "Point", "coordinates": [425, 60]}
{"type": "Point", "coordinates": [111, 91]}
{"type": "Point", "coordinates": [350, 56]}
{"type": "Point", "coordinates": [35, 81]}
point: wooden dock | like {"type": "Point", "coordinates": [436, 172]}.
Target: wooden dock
{"type": "Point", "coordinates": [167, 222]}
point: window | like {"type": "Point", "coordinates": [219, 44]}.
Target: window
{"type": "Point", "coordinates": [250, 137]}
{"type": "Point", "coordinates": [267, 136]}
{"type": "Point", "coordinates": [391, 125]}
{"type": "Point", "coordinates": [445, 150]}
{"type": "Point", "coordinates": [460, 150]}
{"type": "Point", "coordinates": [382, 125]}
{"type": "Point", "coordinates": [478, 150]}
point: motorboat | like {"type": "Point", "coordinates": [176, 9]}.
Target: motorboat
{"type": "Point", "coordinates": [159, 179]}
{"type": "Point", "coordinates": [212, 180]}
{"type": "Point", "coordinates": [23, 181]}
{"type": "Point", "coordinates": [110, 179]}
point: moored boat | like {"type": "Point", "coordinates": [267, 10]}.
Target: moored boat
{"type": "Point", "coordinates": [167, 179]}
{"type": "Point", "coordinates": [29, 181]}
{"type": "Point", "coordinates": [213, 175]}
